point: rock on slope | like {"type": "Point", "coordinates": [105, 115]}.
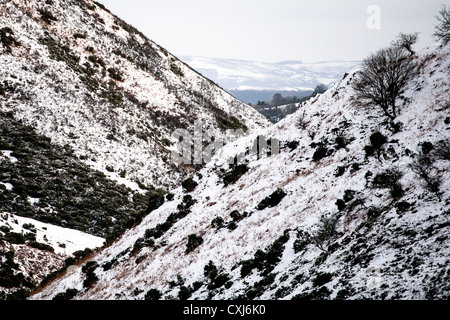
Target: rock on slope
{"type": "Point", "coordinates": [83, 77]}
{"type": "Point", "coordinates": [312, 222]}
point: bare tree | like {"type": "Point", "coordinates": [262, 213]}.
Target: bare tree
{"type": "Point", "coordinates": [326, 231]}
{"type": "Point", "coordinates": [277, 99]}
{"type": "Point", "coordinates": [442, 30]}
{"type": "Point", "coordinates": [320, 88]}
{"type": "Point", "coordinates": [302, 123]}
{"type": "Point", "coordinates": [422, 165]}
{"type": "Point", "coordinates": [406, 41]}
{"type": "Point", "coordinates": [382, 79]}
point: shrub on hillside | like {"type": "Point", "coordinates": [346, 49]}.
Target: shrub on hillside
{"type": "Point", "coordinates": [155, 201]}
{"type": "Point", "coordinates": [153, 294]}
{"type": "Point", "coordinates": [217, 222]}
{"type": "Point", "coordinates": [422, 165]}
{"type": "Point", "coordinates": [115, 74]}
{"type": "Point", "coordinates": [389, 179]}
{"type": "Point", "coordinates": [170, 196]}
{"type": "Point", "coordinates": [292, 145]}
{"type": "Point", "coordinates": [90, 277]}
{"type": "Point", "coordinates": [234, 174]}
{"type": "Point", "coordinates": [193, 242]}
{"type": "Point", "coordinates": [41, 246]}
{"type": "Point", "coordinates": [7, 38]}
{"type": "Point", "coordinates": [322, 151]}
{"type": "Point", "coordinates": [265, 261]}
{"type": "Point", "coordinates": [377, 140]}
{"type": "Point", "coordinates": [69, 294]}
{"type": "Point", "coordinates": [382, 79]}
{"type": "Point", "coordinates": [273, 200]}
{"type": "Point", "coordinates": [47, 16]}
{"type": "Point", "coordinates": [210, 271]}
{"type": "Point", "coordinates": [302, 241]}
{"type": "Point", "coordinates": [322, 279]}
{"type": "Point", "coordinates": [189, 184]}
{"type": "Point", "coordinates": [326, 231]}
{"type": "Point", "coordinates": [15, 238]}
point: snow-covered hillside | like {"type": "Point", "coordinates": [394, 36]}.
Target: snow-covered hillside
{"type": "Point", "coordinates": [63, 240]}
{"type": "Point", "coordinates": [88, 106]}
{"type": "Point", "coordinates": [309, 222]}
{"type": "Point", "coordinates": [85, 78]}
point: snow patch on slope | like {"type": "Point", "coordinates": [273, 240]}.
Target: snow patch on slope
{"type": "Point", "coordinates": [64, 241]}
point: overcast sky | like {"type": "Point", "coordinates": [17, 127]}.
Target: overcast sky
{"type": "Point", "coordinates": [278, 30]}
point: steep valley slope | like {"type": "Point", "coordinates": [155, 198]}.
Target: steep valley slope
{"type": "Point", "coordinates": [88, 107]}
{"type": "Point", "coordinates": [328, 205]}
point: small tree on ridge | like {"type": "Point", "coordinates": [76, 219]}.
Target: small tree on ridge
{"type": "Point", "coordinates": [442, 30]}
{"type": "Point", "coordinates": [383, 78]}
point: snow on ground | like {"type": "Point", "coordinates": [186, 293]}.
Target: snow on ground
{"type": "Point", "coordinates": [6, 154]}
{"type": "Point", "coordinates": [124, 124]}
{"type": "Point", "coordinates": [409, 248]}
{"type": "Point", "coordinates": [63, 240]}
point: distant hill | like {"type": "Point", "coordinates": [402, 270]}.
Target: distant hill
{"type": "Point", "coordinates": [251, 81]}
{"type": "Point", "coordinates": [252, 96]}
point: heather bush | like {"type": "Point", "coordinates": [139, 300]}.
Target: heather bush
{"type": "Point", "coordinates": [273, 200]}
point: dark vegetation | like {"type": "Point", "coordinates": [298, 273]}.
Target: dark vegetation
{"type": "Point", "coordinates": [322, 150]}
{"type": "Point", "coordinates": [115, 74]}
{"type": "Point", "coordinates": [184, 291]}
{"type": "Point", "coordinates": [442, 30]}
{"type": "Point", "coordinates": [153, 294]}
{"type": "Point", "coordinates": [47, 16]}
{"type": "Point", "coordinates": [176, 69]}
{"type": "Point", "coordinates": [10, 275]}
{"type": "Point", "coordinates": [158, 231]}
{"type": "Point", "coordinates": [236, 217]}
{"type": "Point", "coordinates": [377, 140]}
{"type": "Point", "coordinates": [7, 39]}
{"type": "Point", "coordinates": [423, 165]}
{"type": "Point", "coordinates": [69, 294]}
{"type": "Point", "coordinates": [265, 260]}
{"type": "Point", "coordinates": [302, 241]}
{"type": "Point", "coordinates": [326, 232]}
{"type": "Point", "coordinates": [111, 263]}
{"type": "Point", "coordinates": [155, 201]}
{"type": "Point", "coordinates": [235, 172]}
{"type": "Point", "coordinates": [389, 179]}
{"type": "Point", "coordinates": [341, 140]}
{"type": "Point", "coordinates": [322, 279]}
{"type": "Point", "coordinates": [70, 194]}
{"type": "Point", "coordinates": [189, 184]}
{"type": "Point", "coordinates": [89, 272]}
{"type": "Point", "coordinates": [193, 242]}
{"type": "Point", "coordinates": [271, 201]}
{"type": "Point", "coordinates": [292, 145]}
{"type": "Point", "coordinates": [61, 52]}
